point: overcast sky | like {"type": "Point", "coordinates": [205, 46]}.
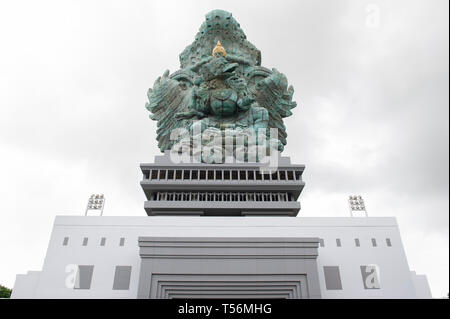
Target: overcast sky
{"type": "Point", "coordinates": [370, 80]}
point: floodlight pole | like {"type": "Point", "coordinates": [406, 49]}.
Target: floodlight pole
{"type": "Point", "coordinates": [103, 205]}
{"type": "Point", "coordinates": [87, 207]}
{"type": "Point", "coordinates": [90, 201]}
{"type": "Point", "coordinates": [361, 201]}
{"type": "Point", "coordinates": [350, 206]}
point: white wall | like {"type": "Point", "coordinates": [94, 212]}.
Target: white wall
{"type": "Point", "coordinates": [395, 277]}
{"type": "Point", "coordinates": [26, 285]}
{"type": "Point", "coordinates": [421, 285]}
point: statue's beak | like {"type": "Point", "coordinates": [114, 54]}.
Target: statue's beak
{"type": "Point", "coordinates": [229, 69]}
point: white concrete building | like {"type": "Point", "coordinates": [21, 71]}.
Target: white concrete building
{"type": "Point", "coordinates": [108, 242]}
{"type": "Point", "coordinates": [217, 231]}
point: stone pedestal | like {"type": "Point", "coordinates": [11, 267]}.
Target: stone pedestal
{"type": "Point", "coordinates": [219, 267]}
{"type": "Point", "coordinates": [239, 267]}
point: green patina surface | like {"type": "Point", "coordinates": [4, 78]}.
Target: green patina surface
{"type": "Point", "coordinates": [228, 90]}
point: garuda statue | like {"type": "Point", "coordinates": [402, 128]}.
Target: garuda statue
{"type": "Point", "coordinates": [221, 90]}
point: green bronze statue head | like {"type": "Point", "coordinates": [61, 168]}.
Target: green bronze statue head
{"type": "Point", "coordinates": [220, 85]}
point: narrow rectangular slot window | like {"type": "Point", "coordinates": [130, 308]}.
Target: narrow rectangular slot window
{"type": "Point", "coordinates": [374, 242]}
{"type": "Point", "coordinates": [122, 277]}
{"type": "Point", "coordinates": [321, 242]}
{"type": "Point", "coordinates": [290, 175]}
{"type": "Point", "coordinates": [275, 176]}
{"type": "Point", "coordinates": [84, 277]}
{"type": "Point", "coordinates": [370, 277]}
{"type": "Point", "coordinates": [332, 278]}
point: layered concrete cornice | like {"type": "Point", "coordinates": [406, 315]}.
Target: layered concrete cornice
{"type": "Point", "coordinates": [223, 247]}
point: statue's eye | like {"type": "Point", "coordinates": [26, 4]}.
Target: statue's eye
{"type": "Point", "coordinates": [183, 85]}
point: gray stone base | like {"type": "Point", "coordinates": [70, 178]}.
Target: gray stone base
{"type": "Point", "coordinates": [194, 267]}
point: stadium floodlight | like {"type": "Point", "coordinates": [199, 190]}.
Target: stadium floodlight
{"type": "Point", "coordinates": [356, 204]}
{"type": "Point", "coordinates": [96, 202]}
